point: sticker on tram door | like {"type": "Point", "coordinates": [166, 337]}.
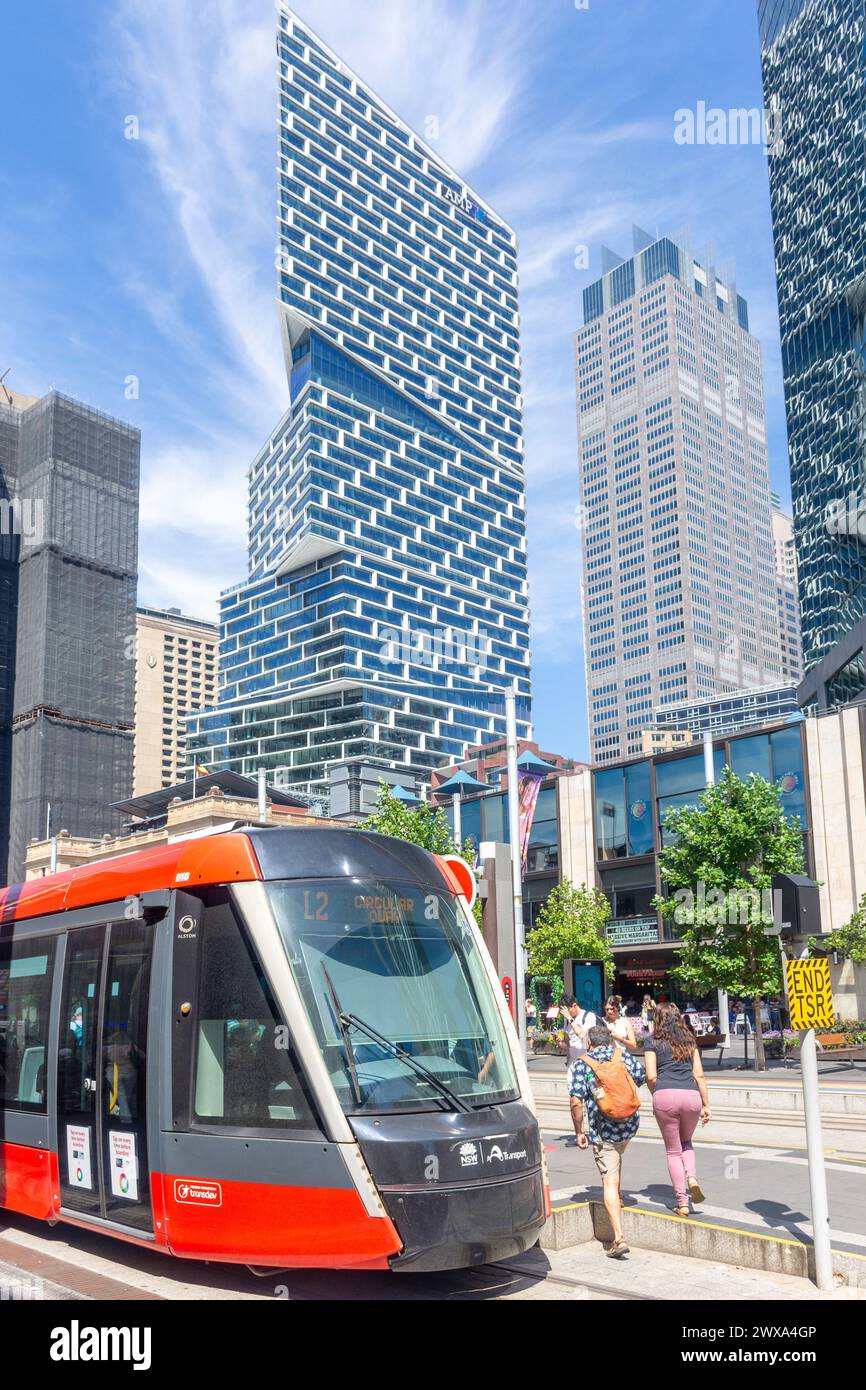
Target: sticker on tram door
{"type": "Point", "coordinates": [124, 1165]}
{"type": "Point", "coordinates": [78, 1156]}
{"type": "Point", "coordinates": [199, 1194]}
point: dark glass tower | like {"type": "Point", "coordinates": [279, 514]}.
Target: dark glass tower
{"type": "Point", "coordinates": [68, 562]}
{"type": "Point", "coordinates": [813, 55]}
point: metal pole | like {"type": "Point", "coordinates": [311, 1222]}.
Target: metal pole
{"type": "Point", "coordinates": [457, 806]}
{"type": "Point", "coordinates": [263, 794]}
{"type": "Point", "coordinates": [709, 762]}
{"type": "Point", "coordinates": [815, 1154]}
{"type": "Point", "coordinates": [516, 866]}
{"type": "Point", "coordinates": [815, 1151]}
{"type": "Point", "coordinates": [48, 822]}
{"type": "Point", "coordinates": [52, 866]}
{"type": "Point", "coordinates": [721, 994]}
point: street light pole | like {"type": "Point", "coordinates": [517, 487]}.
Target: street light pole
{"type": "Point", "coordinates": [516, 865]}
{"type": "Point", "coordinates": [721, 994]}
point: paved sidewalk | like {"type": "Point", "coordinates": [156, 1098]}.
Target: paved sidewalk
{"type": "Point", "coordinates": [760, 1188]}
{"type": "Point", "coordinates": [649, 1274]}
{"type": "Point", "coordinates": [735, 1069]}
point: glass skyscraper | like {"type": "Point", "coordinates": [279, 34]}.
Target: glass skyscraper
{"type": "Point", "coordinates": [385, 613]}
{"type": "Point", "coordinates": [814, 66]}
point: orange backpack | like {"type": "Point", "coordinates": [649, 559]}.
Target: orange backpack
{"type": "Point", "coordinates": [616, 1094]}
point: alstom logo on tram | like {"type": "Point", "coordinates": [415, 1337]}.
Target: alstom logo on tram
{"type": "Point", "coordinates": [281, 1047]}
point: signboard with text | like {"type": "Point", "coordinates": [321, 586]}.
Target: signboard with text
{"type": "Point", "coordinates": [632, 931]}
{"type": "Point", "coordinates": [810, 996]}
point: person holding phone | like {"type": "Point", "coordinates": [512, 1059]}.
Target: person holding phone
{"type": "Point", "coordinates": [675, 1076]}
{"type": "Point", "coordinates": [578, 1022]}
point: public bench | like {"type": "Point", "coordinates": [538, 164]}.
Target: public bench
{"type": "Point", "coordinates": [833, 1045]}
{"type": "Point", "coordinates": [707, 1041]}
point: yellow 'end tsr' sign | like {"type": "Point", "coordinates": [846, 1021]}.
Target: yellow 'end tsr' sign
{"type": "Point", "coordinates": [810, 997]}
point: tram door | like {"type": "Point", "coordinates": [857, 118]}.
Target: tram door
{"type": "Point", "coordinates": [102, 1074]}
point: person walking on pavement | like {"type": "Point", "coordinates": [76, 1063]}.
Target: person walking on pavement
{"type": "Point", "coordinates": [578, 1022]}
{"type": "Point", "coordinates": [675, 1076]}
{"type": "Point", "coordinates": [605, 1112]}
{"type": "Point", "coordinates": [620, 1027]}
{"type": "Point", "coordinates": [647, 1011]}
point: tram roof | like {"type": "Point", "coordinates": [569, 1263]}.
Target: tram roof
{"type": "Point", "coordinates": [236, 856]}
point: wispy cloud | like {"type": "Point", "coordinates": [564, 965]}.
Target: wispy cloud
{"type": "Point", "coordinates": [434, 63]}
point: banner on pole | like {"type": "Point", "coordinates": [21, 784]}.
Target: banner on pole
{"type": "Point", "coordinates": [528, 785]}
{"type": "Point", "coordinates": [810, 995]}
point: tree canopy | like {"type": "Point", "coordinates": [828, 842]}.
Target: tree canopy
{"type": "Point", "coordinates": [570, 924]}
{"type": "Point", "coordinates": [717, 869]}
{"type": "Point", "coordinates": [422, 825]}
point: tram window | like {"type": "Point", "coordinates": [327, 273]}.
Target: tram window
{"type": "Point", "coordinates": [245, 1075]}
{"type": "Point", "coordinates": [401, 963]}
{"type": "Point", "coordinates": [25, 999]}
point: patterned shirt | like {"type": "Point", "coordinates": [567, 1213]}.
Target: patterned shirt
{"type": "Point", "coordinates": [582, 1083]}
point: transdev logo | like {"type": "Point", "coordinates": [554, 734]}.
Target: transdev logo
{"type": "Point", "coordinates": [199, 1194]}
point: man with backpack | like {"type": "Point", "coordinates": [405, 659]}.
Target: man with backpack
{"type": "Point", "coordinates": [605, 1112]}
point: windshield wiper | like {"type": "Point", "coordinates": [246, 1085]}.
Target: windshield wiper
{"type": "Point", "coordinates": [341, 1018]}
{"type": "Point", "coordinates": [353, 1021]}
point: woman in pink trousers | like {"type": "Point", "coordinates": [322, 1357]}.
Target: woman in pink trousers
{"type": "Point", "coordinates": [675, 1077]}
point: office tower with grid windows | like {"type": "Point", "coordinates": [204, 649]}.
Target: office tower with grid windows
{"type": "Point", "coordinates": [176, 668]}
{"type": "Point", "coordinates": [385, 613]}
{"type": "Point", "coordinates": [813, 56]}
{"type": "Point", "coordinates": [69, 478]}
{"type": "Point", "coordinates": [679, 589]}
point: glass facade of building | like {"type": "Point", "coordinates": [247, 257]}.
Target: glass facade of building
{"type": "Point", "coordinates": [631, 801]}
{"type": "Point", "coordinates": [386, 610]}
{"type": "Point", "coordinates": [485, 818]}
{"type": "Point", "coordinates": [729, 713]}
{"type": "Point", "coordinates": [814, 66]}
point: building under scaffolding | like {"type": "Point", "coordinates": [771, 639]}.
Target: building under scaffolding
{"type": "Point", "coordinates": [69, 479]}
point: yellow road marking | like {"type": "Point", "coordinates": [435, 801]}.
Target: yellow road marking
{"type": "Point", "coordinates": [709, 1226]}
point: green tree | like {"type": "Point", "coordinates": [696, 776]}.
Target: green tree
{"type": "Point", "coordinates": [423, 825]}
{"type": "Point", "coordinates": [848, 940]}
{"type": "Point", "coordinates": [717, 870]}
{"type": "Point", "coordinates": [571, 923]}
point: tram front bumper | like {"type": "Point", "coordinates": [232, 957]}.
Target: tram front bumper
{"type": "Point", "coordinates": [453, 1228]}
{"type": "Point", "coordinates": [461, 1189]}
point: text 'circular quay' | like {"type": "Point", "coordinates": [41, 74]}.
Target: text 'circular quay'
{"type": "Point", "coordinates": [432, 678]}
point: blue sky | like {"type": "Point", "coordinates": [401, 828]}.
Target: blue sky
{"type": "Point", "coordinates": [154, 257]}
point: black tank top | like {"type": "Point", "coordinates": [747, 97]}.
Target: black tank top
{"type": "Point", "coordinates": [672, 1075]}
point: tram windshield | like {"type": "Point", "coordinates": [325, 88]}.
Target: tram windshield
{"type": "Point", "coordinates": [385, 968]}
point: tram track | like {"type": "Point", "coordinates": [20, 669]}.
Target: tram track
{"type": "Point", "coordinates": [608, 1289]}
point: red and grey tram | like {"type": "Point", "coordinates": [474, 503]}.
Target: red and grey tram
{"type": "Point", "coordinates": [278, 1047]}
